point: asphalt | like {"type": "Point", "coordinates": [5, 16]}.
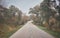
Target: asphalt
{"type": "Point", "coordinates": [29, 30]}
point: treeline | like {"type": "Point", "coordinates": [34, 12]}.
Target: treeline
{"type": "Point", "coordinates": [47, 14]}
{"type": "Point", "coordinates": [10, 15]}
{"type": "Point", "coordinates": [10, 19]}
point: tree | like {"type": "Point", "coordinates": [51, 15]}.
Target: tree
{"type": "Point", "coordinates": [10, 16]}
{"type": "Point", "coordinates": [35, 11]}
{"type": "Point", "coordinates": [2, 14]}
{"type": "Point", "coordinates": [45, 11]}
{"type": "Point", "coordinates": [15, 13]}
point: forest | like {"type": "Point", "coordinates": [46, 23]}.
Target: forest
{"type": "Point", "coordinates": [45, 14]}
{"type": "Point", "coordinates": [10, 20]}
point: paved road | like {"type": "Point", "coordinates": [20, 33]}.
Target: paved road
{"type": "Point", "coordinates": [30, 31]}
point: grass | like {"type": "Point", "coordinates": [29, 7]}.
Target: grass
{"type": "Point", "coordinates": [8, 34]}
{"type": "Point", "coordinates": [53, 33]}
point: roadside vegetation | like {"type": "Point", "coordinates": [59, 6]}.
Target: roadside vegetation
{"type": "Point", "coordinates": [47, 16]}
{"type": "Point", "coordinates": [11, 19]}
{"type": "Point", "coordinates": [51, 32]}
{"type": "Point", "coordinates": [9, 33]}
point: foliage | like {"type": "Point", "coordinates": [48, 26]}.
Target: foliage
{"type": "Point", "coordinates": [47, 12]}
{"type": "Point", "coordinates": [10, 18]}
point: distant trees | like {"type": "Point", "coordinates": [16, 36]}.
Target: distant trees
{"type": "Point", "coordinates": [10, 19]}
{"type": "Point", "coordinates": [10, 16]}
{"type": "Point", "coordinates": [15, 14]}
{"type": "Point", "coordinates": [24, 18]}
{"type": "Point", "coordinates": [35, 13]}
{"type": "Point", "coordinates": [2, 14]}
{"type": "Point", "coordinates": [48, 12]}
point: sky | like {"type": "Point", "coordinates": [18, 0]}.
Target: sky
{"type": "Point", "coordinates": [23, 5]}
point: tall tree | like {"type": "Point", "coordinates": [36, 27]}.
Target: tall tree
{"type": "Point", "coordinates": [15, 12]}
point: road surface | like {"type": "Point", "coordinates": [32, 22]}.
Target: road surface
{"type": "Point", "coordinates": [29, 30]}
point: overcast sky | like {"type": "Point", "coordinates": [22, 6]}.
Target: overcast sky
{"type": "Point", "coordinates": [23, 5]}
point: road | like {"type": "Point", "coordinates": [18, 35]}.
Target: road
{"type": "Point", "coordinates": [29, 30]}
